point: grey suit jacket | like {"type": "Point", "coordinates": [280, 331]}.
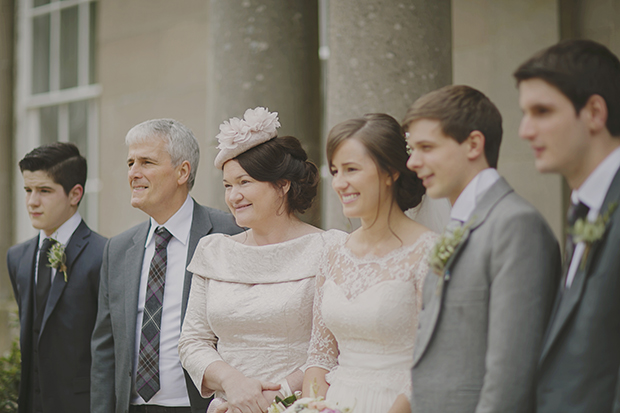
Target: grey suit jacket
{"type": "Point", "coordinates": [113, 341]}
{"type": "Point", "coordinates": [63, 348]}
{"type": "Point", "coordinates": [481, 329]}
{"type": "Point", "coordinates": [578, 370]}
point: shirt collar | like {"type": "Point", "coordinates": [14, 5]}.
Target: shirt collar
{"type": "Point", "coordinates": [178, 225]}
{"type": "Point", "coordinates": [594, 189]}
{"type": "Point", "coordinates": [466, 202]}
{"type": "Point", "coordinates": [64, 232]}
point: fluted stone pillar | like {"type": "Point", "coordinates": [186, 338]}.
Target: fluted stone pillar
{"type": "Point", "coordinates": [383, 54]}
{"type": "Point", "coordinates": [262, 53]}
{"type": "Point", "coordinates": [7, 302]}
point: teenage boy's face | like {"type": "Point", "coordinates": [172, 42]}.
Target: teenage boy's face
{"type": "Point", "coordinates": [439, 160]}
{"type": "Point", "coordinates": [48, 205]}
{"type": "Point", "coordinates": [557, 135]}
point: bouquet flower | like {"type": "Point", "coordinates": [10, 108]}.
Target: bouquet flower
{"type": "Point", "coordinates": [307, 405]}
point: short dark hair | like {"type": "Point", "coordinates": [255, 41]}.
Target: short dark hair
{"type": "Point", "coordinates": [384, 140]}
{"type": "Point", "coordinates": [461, 110]}
{"type": "Point", "coordinates": [579, 69]}
{"type": "Point", "coordinates": [284, 159]}
{"type": "Point", "coordinates": [61, 161]}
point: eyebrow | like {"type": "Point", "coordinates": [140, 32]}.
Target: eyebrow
{"type": "Point", "coordinates": [237, 177]}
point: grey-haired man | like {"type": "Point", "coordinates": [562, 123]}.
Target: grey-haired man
{"type": "Point", "coordinates": [144, 284]}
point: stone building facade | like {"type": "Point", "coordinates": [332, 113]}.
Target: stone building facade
{"type": "Point", "coordinates": [86, 71]}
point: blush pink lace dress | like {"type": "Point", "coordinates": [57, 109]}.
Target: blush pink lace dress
{"type": "Point", "coordinates": [365, 322]}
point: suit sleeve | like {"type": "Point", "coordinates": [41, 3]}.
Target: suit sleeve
{"type": "Point", "coordinates": [12, 276]}
{"type": "Point", "coordinates": [524, 264]}
{"type": "Point", "coordinates": [102, 346]}
{"type": "Point", "coordinates": [617, 396]}
{"type": "Point", "coordinates": [197, 344]}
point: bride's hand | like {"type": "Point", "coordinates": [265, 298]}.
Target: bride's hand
{"type": "Point", "coordinates": [245, 395]}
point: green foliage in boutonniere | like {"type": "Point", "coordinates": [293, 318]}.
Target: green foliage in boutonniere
{"type": "Point", "coordinates": [590, 232]}
{"type": "Point", "coordinates": [56, 257]}
{"type": "Point", "coordinates": [445, 247]}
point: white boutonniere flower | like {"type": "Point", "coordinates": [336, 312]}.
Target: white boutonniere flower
{"type": "Point", "coordinates": [590, 232]}
{"type": "Point", "coordinates": [56, 257]}
{"type": "Point", "coordinates": [446, 245]}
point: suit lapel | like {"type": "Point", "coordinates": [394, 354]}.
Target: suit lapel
{"type": "Point", "coordinates": [483, 207]}
{"type": "Point", "coordinates": [130, 282]}
{"type": "Point", "coordinates": [25, 273]}
{"type": "Point", "coordinates": [569, 299]}
{"type": "Point", "coordinates": [201, 226]}
{"type": "Point", "coordinates": [75, 246]}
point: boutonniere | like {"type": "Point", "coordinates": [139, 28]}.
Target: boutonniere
{"type": "Point", "coordinates": [590, 232]}
{"type": "Point", "coordinates": [446, 245]}
{"type": "Point", "coordinates": [56, 257]}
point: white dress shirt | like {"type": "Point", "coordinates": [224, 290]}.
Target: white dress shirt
{"type": "Point", "coordinates": [62, 235]}
{"type": "Point", "coordinates": [173, 390]}
{"type": "Point", "coordinates": [592, 193]}
{"type": "Point", "coordinates": [466, 202]}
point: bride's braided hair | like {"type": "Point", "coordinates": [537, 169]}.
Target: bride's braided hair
{"type": "Point", "coordinates": [384, 139]}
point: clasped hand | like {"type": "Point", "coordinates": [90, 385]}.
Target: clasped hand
{"type": "Point", "coordinates": [246, 395]}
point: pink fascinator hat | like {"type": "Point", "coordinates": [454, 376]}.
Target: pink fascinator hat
{"type": "Point", "coordinates": [238, 135]}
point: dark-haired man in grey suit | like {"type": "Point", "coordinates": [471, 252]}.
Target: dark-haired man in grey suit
{"type": "Point", "coordinates": [570, 96]}
{"type": "Point", "coordinates": [488, 297]}
{"type": "Point", "coordinates": [144, 283]}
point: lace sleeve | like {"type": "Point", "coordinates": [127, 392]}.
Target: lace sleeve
{"type": "Point", "coordinates": [197, 344]}
{"type": "Point", "coordinates": [323, 350]}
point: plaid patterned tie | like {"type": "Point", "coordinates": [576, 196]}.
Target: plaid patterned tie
{"type": "Point", "coordinates": [147, 377]}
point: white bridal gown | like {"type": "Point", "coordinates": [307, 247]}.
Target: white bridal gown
{"type": "Point", "coordinates": [250, 306]}
{"type": "Point", "coordinates": [365, 323]}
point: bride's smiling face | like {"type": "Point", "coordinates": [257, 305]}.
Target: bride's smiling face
{"type": "Point", "coordinates": [251, 202]}
{"type": "Point", "coordinates": [361, 186]}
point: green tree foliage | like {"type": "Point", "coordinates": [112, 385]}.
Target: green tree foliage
{"type": "Point", "coordinates": [9, 379]}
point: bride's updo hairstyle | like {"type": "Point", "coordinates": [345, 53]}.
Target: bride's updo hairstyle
{"type": "Point", "coordinates": [384, 140]}
{"type": "Point", "coordinates": [283, 159]}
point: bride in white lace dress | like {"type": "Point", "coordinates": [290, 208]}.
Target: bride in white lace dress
{"type": "Point", "coordinates": [249, 316]}
{"type": "Point", "coordinates": [370, 282]}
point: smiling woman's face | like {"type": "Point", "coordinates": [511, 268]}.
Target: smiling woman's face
{"type": "Point", "coordinates": [253, 203]}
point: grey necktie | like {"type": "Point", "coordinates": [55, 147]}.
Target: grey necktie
{"type": "Point", "coordinates": [575, 211]}
{"type": "Point", "coordinates": [147, 376]}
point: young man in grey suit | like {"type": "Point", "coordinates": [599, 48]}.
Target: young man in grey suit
{"type": "Point", "coordinates": [490, 290]}
{"type": "Point", "coordinates": [57, 298]}
{"type": "Point", "coordinates": [136, 365]}
{"type": "Point", "coordinates": [570, 96]}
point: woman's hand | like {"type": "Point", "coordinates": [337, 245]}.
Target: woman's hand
{"type": "Point", "coordinates": [246, 395]}
{"type": "Point", "coordinates": [270, 395]}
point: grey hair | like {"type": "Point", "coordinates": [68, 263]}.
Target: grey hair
{"type": "Point", "coordinates": [181, 143]}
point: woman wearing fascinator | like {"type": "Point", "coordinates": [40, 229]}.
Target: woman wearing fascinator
{"type": "Point", "coordinates": [249, 317]}
{"type": "Point", "coordinates": [369, 287]}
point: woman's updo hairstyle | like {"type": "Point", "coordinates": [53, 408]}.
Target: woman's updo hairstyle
{"type": "Point", "coordinates": [384, 140]}
{"type": "Point", "coordinates": [283, 159]}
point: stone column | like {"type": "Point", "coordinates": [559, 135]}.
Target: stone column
{"type": "Point", "coordinates": [7, 40]}
{"type": "Point", "coordinates": [382, 56]}
{"type": "Point", "coordinates": [262, 53]}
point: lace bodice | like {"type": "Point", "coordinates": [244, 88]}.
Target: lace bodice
{"type": "Point", "coordinates": [366, 308]}
{"type": "Point", "coordinates": [250, 306]}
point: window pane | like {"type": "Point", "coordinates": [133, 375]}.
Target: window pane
{"type": "Point", "coordinates": [78, 125]}
{"type": "Point", "coordinates": [93, 34]}
{"type": "Point", "coordinates": [69, 48]}
{"type": "Point", "coordinates": [38, 3]}
{"type": "Point", "coordinates": [41, 54]}
{"type": "Point", "coordinates": [48, 124]}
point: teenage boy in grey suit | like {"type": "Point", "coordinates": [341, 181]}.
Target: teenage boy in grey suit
{"type": "Point", "coordinates": [570, 97]}
{"type": "Point", "coordinates": [136, 365]}
{"type": "Point", "coordinates": [57, 306]}
{"type": "Point", "coordinates": [486, 301]}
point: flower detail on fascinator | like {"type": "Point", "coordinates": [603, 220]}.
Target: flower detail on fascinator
{"type": "Point", "coordinates": [238, 135]}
